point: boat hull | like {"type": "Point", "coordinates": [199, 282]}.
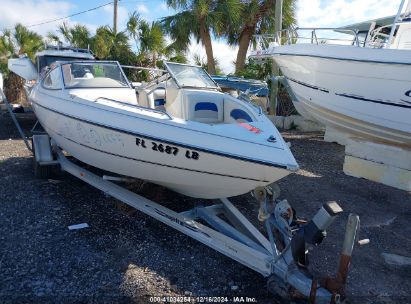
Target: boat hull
{"type": "Point", "coordinates": [185, 170]}
{"type": "Point", "coordinates": [371, 99]}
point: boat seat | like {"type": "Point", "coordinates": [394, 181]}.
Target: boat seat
{"type": "Point", "coordinates": [206, 111]}
{"type": "Point", "coordinates": [234, 112]}
{"type": "Point", "coordinates": [157, 99]}
{"type": "Point", "coordinates": [240, 116]}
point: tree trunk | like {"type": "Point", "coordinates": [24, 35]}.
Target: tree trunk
{"type": "Point", "coordinates": [155, 59]}
{"type": "Point", "coordinates": [14, 89]}
{"type": "Point", "coordinates": [248, 32]}
{"type": "Point", "coordinates": [243, 44]}
{"type": "Point", "coordinates": [206, 40]}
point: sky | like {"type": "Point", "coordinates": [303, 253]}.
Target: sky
{"type": "Point", "coordinates": [310, 13]}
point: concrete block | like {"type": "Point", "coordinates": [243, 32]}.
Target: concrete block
{"type": "Point", "coordinates": [306, 125]}
{"type": "Point", "coordinates": [289, 121]}
{"type": "Point", "coordinates": [378, 172]}
{"type": "Point", "coordinates": [336, 136]}
{"type": "Point", "coordinates": [301, 123]}
{"type": "Point", "coordinates": [378, 152]}
{"type": "Point", "coordinates": [278, 121]}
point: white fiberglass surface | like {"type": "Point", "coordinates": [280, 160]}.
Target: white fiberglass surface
{"type": "Point", "coordinates": [190, 76]}
{"type": "Point", "coordinates": [93, 75]}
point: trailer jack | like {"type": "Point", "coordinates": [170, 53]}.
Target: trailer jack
{"type": "Point", "coordinates": [289, 237]}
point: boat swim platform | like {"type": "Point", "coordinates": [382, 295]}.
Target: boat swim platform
{"type": "Point", "coordinates": [379, 162]}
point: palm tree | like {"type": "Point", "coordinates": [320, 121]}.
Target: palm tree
{"type": "Point", "coordinates": [200, 61]}
{"type": "Point", "coordinates": [77, 36]}
{"type": "Point", "coordinates": [152, 40]}
{"type": "Point", "coordinates": [177, 56]}
{"type": "Point", "coordinates": [200, 18]}
{"type": "Point", "coordinates": [6, 48]}
{"type": "Point", "coordinates": [53, 38]}
{"type": "Point", "coordinates": [107, 44]}
{"type": "Point", "coordinates": [19, 41]}
{"type": "Point", "coordinates": [133, 26]}
{"type": "Point", "coordinates": [252, 70]}
{"type": "Point", "coordinates": [257, 18]}
{"type": "Point", "coordinates": [14, 43]}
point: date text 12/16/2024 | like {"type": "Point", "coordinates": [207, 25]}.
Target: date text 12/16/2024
{"type": "Point", "coordinates": [201, 299]}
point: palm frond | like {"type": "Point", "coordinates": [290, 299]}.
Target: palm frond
{"type": "Point", "coordinates": [133, 23]}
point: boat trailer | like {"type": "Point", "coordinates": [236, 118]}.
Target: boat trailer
{"type": "Point", "coordinates": [282, 257]}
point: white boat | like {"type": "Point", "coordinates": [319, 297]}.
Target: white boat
{"type": "Point", "coordinates": [178, 131]}
{"type": "Point", "coordinates": [361, 88]}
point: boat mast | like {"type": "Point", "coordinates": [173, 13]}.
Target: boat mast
{"type": "Point", "coordinates": [394, 25]}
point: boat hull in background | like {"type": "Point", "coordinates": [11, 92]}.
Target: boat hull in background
{"type": "Point", "coordinates": [355, 90]}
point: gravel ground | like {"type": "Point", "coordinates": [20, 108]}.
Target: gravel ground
{"type": "Point", "coordinates": [125, 256]}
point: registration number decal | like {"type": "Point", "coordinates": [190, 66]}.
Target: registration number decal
{"type": "Point", "coordinates": [164, 148]}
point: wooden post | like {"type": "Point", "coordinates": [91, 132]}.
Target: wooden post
{"type": "Point", "coordinates": [275, 69]}
{"type": "Point", "coordinates": [115, 17]}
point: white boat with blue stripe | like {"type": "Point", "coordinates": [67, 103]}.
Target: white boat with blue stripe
{"type": "Point", "coordinates": [355, 79]}
{"type": "Point", "coordinates": [179, 130]}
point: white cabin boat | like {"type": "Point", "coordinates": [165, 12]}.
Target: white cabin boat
{"type": "Point", "coordinates": [361, 86]}
{"type": "Point", "coordinates": [178, 131]}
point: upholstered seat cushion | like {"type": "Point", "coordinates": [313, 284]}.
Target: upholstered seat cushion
{"type": "Point", "coordinates": [207, 111]}
{"type": "Point", "coordinates": [203, 106]}
{"type": "Point", "coordinates": [157, 99]}
{"type": "Point", "coordinates": [240, 115]}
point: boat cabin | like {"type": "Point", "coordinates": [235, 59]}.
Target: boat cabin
{"type": "Point", "coordinates": [376, 32]}
{"type": "Point", "coordinates": [24, 67]}
{"type": "Point", "coordinates": [52, 54]}
{"type": "Point", "coordinates": [393, 32]}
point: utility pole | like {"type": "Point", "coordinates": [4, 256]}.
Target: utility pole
{"type": "Point", "coordinates": [115, 17]}
{"type": "Point", "coordinates": [275, 71]}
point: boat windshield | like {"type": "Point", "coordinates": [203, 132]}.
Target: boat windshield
{"type": "Point", "coordinates": [93, 75]}
{"type": "Point", "coordinates": [190, 76]}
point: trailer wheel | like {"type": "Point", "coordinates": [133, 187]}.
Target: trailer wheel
{"type": "Point", "coordinates": [42, 172]}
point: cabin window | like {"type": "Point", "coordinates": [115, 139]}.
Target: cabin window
{"type": "Point", "coordinates": [92, 74]}
{"type": "Point", "coordinates": [53, 80]}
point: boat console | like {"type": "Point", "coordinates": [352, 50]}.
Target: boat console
{"type": "Point", "coordinates": [189, 93]}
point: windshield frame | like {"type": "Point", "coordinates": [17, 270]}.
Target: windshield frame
{"type": "Point", "coordinates": [180, 85]}
{"type": "Point", "coordinates": [65, 86]}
